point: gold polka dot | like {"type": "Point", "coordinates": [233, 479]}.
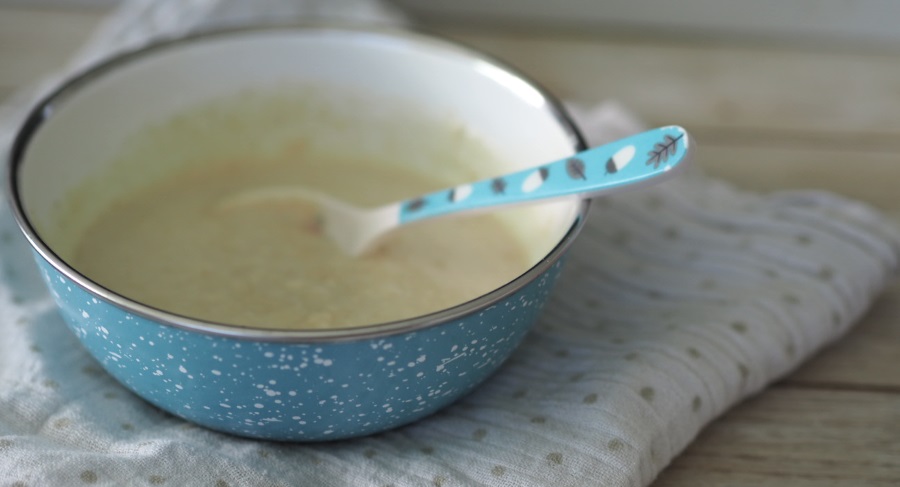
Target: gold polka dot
{"type": "Point", "coordinates": [790, 349]}
{"type": "Point", "coordinates": [615, 444]}
{"type": "Point", "coordinates": [804, 239]}
{"type": "Point", "coordinates": [728, 227]}
{"type": "Point", "coordinates": [647, 393]}
{"type": "Point", "coordinates": [88, 477]}
{"type": "Point", "coordinates": [428, 450]}
{"type": "Point", "coordinates": [745, 372]}
{"type": "Point", "coordinates": [694, 353]}
{"type": "Point", "coordinates": [127, 426]}
{"type": "Point", "coordinates": [498, 471]}
{"type": "Point", "coordinates": [157, 479]}
{"type": "Point", "coordinates": [791, 298]}
{"type": "Point", "coordinates": [739, 327]}
{"type": "Point", "coordinates": [555, 458]}
{"type": "Point", "coordinates": [539, 420]}
{"type": "Point", "coordinates": [369, 453]}
{"type": "Point", "coordinates": [654, 202]}
{"type": "Point", "coordinates": [92, 370]}
{"type": "Point", "coordinates": [631, 356]}
{"type": "Point", "coordinates": [221, 483]}
{"type": "Point", "coordinates": [439, 481]}
{"type": "Point", "coordinates": [826, 273]}
{"type": "Point", "coordinates": [697, 402]}
{"type": "Point", "coordinates": [590, 398]}
{"type": "Point", "coordinates": [519, 394]}
{"type": "Point", "coordinates": [548, 327]}
{"type": "Point", "coordinates": [620, 239]}
{"type": "Point", "coordinates": [479, 434]}
{"type": "Point", "coordinates": [466, 406]}
{"type": "Point", "coordinates": [62, 423]}
{"type": "Point", "coordinates": [835, 318]}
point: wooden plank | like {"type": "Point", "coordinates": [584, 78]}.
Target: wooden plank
{"type": "Point", "coordinates": [869, 176]}
{"type": "Point", "coordinates": [796, 437]}
{"type": "Point", "coordinates": [36, 41]}
{"type": "Point", "coordinates": [825, 21]}
{"type": "Point", "coordinates": [757, 92]}
{"type": "Point", "coordinates": [716, 87]}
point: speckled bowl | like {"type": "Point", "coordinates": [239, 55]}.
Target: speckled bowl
{"type": "Point", "coordinates": [290, 385]}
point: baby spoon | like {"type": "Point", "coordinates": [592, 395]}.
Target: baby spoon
{"type": "Point", "coordinates": [597, 171]}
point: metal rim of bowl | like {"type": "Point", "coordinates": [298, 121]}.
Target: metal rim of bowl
{"type": "Point", "coordinates": [45, 108]}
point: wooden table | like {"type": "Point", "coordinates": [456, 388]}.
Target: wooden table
{"type": "Point", "coordinates": [767, 117]}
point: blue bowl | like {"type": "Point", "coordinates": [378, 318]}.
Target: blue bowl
{"type": "Point", "coordinates": [298, 385]}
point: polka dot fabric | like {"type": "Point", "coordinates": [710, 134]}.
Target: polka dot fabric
{"type": "Point", "coordinates": [676, 303]}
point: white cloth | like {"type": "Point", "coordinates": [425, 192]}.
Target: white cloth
{"type": "Point", "coordinates": [677, 302]}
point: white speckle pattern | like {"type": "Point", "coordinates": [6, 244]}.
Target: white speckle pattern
{"type": "Point", "coordinates": [253, 388]}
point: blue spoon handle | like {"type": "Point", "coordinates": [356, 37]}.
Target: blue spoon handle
{"type": "Point", "coordinates": [650, 156]}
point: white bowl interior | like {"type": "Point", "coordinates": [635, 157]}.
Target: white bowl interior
{"type": "Point", "coordinates": [364, 77]}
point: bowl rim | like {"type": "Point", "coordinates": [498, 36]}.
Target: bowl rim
{"type": "Point", "coordinates": [45, 108]}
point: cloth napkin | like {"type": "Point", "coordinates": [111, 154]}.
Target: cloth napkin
{"type": "Point", "coordinates": [678, 301]}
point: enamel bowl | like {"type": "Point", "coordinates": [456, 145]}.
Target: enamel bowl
{"type": "Point", "coordinates": [295, 385]}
